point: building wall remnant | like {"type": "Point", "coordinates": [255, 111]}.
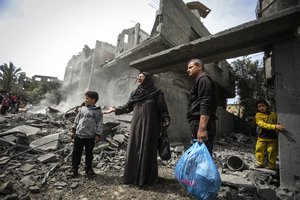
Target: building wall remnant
{"type": "Point", "coordinates": [131, 37]}
{"type": "Point", "coordinates": [268, 7]}
{"type": "Point", "coordinates": [79, 70]}
{"type": "Point", "coordinates": [287, 67]}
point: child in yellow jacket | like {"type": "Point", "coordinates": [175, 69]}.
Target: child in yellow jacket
{"type": "Point", "coordinates": [267, 135]}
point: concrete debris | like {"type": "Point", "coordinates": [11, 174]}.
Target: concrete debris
{"type": "Point", "coordinates": [27, 181]}
{"type": "Point", "coordinates": [6, 187]}
{"type": "Point", "coordinates": [34, 189]}
{"type": "Point", "coordinates": [25, 173]}
{"type": "Point", "coordinates": [236, 181]}
{"type": "Point", "coordinates": [4, 160]}
{"type": "Point", "coordinates": [46, 158]}
{"type": "Point", "coordinates": [179, 149]}
{"type": "Point", "coordinates": [28, 130]}
{"type": "Point", "coordinates": [49, 142]}
{"type": "Point", "coordinates": [27, 167]}
{"type": "Point", "coordinates": [74, 185]}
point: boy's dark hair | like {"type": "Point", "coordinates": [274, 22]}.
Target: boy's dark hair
{"type": "Point", "coordinates": [262, 101]}
{"type": "Point", "coordinates": [92, 95]}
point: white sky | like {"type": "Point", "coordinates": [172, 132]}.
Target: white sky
{"type": "Point", "coordinates": [41, 36]}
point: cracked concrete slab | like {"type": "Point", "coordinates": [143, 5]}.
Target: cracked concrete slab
{"type": "Point", "coordinates": [28, 130]}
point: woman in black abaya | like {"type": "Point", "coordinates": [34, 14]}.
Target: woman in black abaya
{"type": "Point", "coordinates": [150, 114]}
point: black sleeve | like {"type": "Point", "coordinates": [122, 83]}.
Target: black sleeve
{"type": "Point", "coordinates": [127, 108]}
{"type": "Point", "coordinates": [162, 106]}
{"type": "Point", "coordinates": [205, 92]}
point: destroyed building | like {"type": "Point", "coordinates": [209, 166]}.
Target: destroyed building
{"type": "Point", "coordinates": [107, 68]}
{"type": "Point", "coordinates": [29, 171]}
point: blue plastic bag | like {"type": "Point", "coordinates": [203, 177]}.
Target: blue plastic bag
{"type": "Point", "coordinates": [197, 173]}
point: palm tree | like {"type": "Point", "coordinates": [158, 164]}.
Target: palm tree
{"type": "Point", "coordinates": [8, 75]}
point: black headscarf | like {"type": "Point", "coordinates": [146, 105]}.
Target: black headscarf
{"type": "Point", "coordinates": [144, 91]}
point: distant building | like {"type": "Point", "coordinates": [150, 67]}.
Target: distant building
{"type": "Point", "coordinates": [45, 79]}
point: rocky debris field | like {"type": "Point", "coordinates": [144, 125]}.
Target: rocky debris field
{"type": "Point", "coordinates": [36, 154]}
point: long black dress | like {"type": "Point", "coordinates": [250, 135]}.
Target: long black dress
{"type": "Point", "coordinates": [141, 158]}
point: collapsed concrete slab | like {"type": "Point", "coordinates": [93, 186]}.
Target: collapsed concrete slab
{"type": "Point", "coordinates": [28, 130]}
{"type": "Point", "coordinates": [236, 181]}
{"type": "Point", "coordinates": [49, 142]}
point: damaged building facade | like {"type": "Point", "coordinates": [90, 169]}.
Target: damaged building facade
{"type": "Point", "coordinates": [107, 68]}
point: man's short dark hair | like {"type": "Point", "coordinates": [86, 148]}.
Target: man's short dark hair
{"type": "Point", "coordinates": [262, 101]}
{"type": "Point", "coordinates": [92, 95]}
{"type": "Point", "coordinates": [196, 61]}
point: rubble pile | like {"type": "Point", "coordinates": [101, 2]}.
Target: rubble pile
{"type": "Point", "coordinates": [36, 154]}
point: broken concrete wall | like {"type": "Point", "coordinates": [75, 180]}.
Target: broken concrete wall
{"type": "Point", "coordinates": [115, 84]}
{"type": "Point", "coordinates": [69, 72]}
{"type": "Point", "coordinates": [178, 24]}
{"type": "Point", "coordinates": [86, 68]}
{"type": "Point", "coordinates": [79, 68]}
{"type": "Point", "coordinates": [269, 7]}
{"type": "Point", "coordinates": [287, 68]}
{"type": "Point", "coordinates": [131, 37]}
{"type": "Point", "coordinates": [228, 123]}
{"type": "Point", "coordinates": [177, 101]}
{"type": "Point", "coordinates": [103, 53]}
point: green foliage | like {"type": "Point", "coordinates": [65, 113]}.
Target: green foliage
{"type": "Point", "coordinates": [250, 83]}
{"type": "Point", "coordinates": [8, 76]}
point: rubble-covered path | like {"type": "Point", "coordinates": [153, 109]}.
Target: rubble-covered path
{"type": "Point", "coordinates": [35, 158]}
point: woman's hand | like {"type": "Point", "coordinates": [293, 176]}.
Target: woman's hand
{"type": "Point", "coordinates": [109, 110]}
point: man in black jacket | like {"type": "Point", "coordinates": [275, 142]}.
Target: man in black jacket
{"type": "Point", "coordinates": [202, 104]}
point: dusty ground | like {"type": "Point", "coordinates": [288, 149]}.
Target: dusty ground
{"type": "Point", "coordinates": [107, 184]}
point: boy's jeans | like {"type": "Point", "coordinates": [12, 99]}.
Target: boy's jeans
{"type": "Point", "coordinates": [88, 144]}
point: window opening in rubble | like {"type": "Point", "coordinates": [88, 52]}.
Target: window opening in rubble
{"type": "Point", "coordinates": [126, 38]}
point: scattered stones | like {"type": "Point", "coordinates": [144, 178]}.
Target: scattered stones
{"type": "Point", "coordinates": [42, 174]}
{"type": "Point", "coordinates": [27, 181]}
{"type": "Point", "coordinates": [74, 185]}
{"type": "Point", "coordinates": [6, 187]}
{"type": "Point", "coordinates": [27, 167]}
{"type": "Point", "coordinates": [34, 189]}
{"type": "Point", "coordinates": [49, 157]}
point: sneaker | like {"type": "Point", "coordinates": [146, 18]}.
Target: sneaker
{"type": "Point", "coordinates": [90, 172]}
